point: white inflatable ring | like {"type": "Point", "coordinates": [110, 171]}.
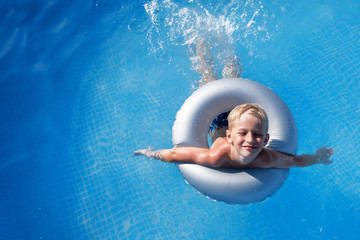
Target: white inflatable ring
{"type": "Point", "coordinates": [191, 128]}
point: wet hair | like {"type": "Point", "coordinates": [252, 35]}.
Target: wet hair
{"type": "Point", "coordinates": [254, 109]}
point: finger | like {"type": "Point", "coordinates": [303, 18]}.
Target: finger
{"type": "Point", "coordinates": [328, 162]}
{"type": "Point", "coordinates": [330, 151]}
{"type": "Point", "coordinates": [138, 152]}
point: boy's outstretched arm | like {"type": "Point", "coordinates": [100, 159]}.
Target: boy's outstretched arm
{"type": "Point", "coordinates": [322, 156]}
{"type": "Point", "coordinates": [201, 156]}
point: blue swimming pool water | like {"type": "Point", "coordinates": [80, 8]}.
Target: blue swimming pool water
{"type": "Point", "coordinates": [84, 83]}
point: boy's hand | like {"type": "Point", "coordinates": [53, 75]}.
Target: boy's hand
{"type": "Point", "coordinates": [324, 154]}
{"type": "Point", "coordinates": [140, 152]}
{"type": "Point", "coordinates": [145, 152]}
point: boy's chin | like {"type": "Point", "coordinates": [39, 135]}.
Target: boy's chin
{"type": "Point", "coordinates": [247, 159]}
{"type": "Point", "coordinates": [250, 154]}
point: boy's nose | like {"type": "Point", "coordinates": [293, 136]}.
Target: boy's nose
{"type": "Point", "coordinates": [249, 137]}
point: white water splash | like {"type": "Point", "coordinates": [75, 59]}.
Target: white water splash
{"type": "Point", "coordinates": [225, 26]}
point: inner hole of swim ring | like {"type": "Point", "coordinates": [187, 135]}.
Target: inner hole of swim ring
{"type": "Point", "coordinates": [218, 127]}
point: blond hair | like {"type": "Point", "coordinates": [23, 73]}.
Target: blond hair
{"type": "Point", "coordinates": [254, 109]}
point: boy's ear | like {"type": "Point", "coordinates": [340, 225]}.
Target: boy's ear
{"type": "Point", "coordinates": [228, 136]}
{"type": "Point", "coordinates": [267, 138]}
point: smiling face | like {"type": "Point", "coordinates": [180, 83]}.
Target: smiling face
{"type": "Point", "coordinates": [247, 137]}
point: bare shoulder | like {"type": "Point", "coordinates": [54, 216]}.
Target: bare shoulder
{"type": "Point", "coordinates": [220, 144]}
{"type": "Point", "coordinates": [220, 149]}
{"type": "Point", "coordinates": [272, 159]}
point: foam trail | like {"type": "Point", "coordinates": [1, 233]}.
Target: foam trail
{"type": "Point", "coordinates": [224, 27]}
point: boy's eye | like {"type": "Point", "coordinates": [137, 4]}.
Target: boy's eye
{"type": "Point", "coordinates": [256, 135]}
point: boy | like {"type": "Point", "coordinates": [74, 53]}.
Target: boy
{"type": "Point", "coordinates": [243, 146]}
